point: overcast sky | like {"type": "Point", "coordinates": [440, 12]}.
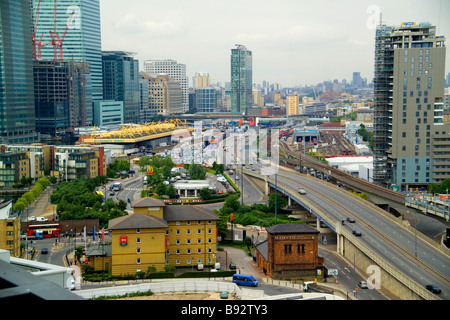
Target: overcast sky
{"type": "Point", "coordinates": [294, 42]}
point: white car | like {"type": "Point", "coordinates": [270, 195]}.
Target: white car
{"type": "Point", "coordinates": [32, 218]}
{"type": "Point", "coordinates": [41, 219]}
{"type": "Point", "coordinates": [301, 191]}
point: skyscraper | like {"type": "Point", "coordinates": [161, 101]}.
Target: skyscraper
{"type": "Point", "coordinates": [357, 81]}
{"type": "Point", "coordinates": [241, 79]}
{"type": "Point", "coordinates": [60, 98]}
{"type": "Point", "coordinates": [70, 30]}
{"type": "Point", "coordinates": [176, 71]}
{"type": "Point", "coordinates": [17, 120]}
{"type": "Point", "coordinates": [411, 145]}
{"type": "Point", "coordinates": [121, 82]}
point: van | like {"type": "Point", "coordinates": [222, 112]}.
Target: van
{"type": "Point", "coordinates": [245, 280]}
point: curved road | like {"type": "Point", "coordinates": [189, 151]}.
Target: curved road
{"type": "Point", "coordinates": [372, 225]}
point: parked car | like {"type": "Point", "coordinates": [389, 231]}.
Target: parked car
{"type": "Point", "coordinates": [44, 250]}
{"type": "Point", "coordinates": [41, 219]}
{"type": "Point", "coordinates": [112, 193]}
{"type": "Point", "coordinates": [356, 233]}
{"type": "Point", "coordinates": [32, 218]}
{"type": "Point", "coordinates": [223, 294]}
{"type": "Point", "coordinates": [362, 284]}
{"type": "Point", "coordinates": [232, 266]}
{"type": "Point", "coordinates": [433, 288]}
{"type": "Point", "coordinates": [301, 191]}
{"type": "Point", "coordinates": [351, 219]}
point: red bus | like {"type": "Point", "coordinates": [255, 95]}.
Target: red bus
{"type": "Point", "coordinates": [50, 230]}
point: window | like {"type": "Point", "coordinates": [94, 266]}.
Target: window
{"type": "Point", "coordinates": [138, 261]}
{"type": "Point", "coordinates": [138, 250]}
{"type": "Point", "coordinates": [178, 232]}
{"type": "Point", "coordinates": [287, 248]}
{"type": "Point", "coordinates": [138, 230]}
{"type": "Point", "coordinates": [138, 240]}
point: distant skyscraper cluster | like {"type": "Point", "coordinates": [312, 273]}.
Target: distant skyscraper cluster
{"type": "Point", "coordinates": [54, 77]}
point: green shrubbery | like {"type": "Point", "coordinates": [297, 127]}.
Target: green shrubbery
{"type": "Point", "coordinates": [29, 196]}
{"type": "Point", "coordinates": [77, 200]}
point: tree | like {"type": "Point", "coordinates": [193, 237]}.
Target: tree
{"type": "Point", "coordinates": [144, 161]}
{"type": "Point", "coordinates": [205, 194]}
{"type": "Point", "coordinates": [196, 171]}
{"type": "Point", "coordinates": [281, 201]}
{"type": "Point", "coordinates": [231, 205]}
{"type": "Point", "coordinates": [171, 191]}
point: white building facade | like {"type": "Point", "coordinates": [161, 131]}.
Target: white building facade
{"type": "Point", "coordinates": [176, 71]}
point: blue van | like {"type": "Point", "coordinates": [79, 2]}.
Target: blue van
{"type": "Point", "coordinates": [245, 280]}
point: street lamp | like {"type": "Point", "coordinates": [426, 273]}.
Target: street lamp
{"type": "Point", "coordinates": [276, 186]}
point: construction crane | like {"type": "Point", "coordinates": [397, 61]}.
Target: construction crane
{"type": "Point", "coordinates": [56, 40]}
{"type": "Point", "coordinates": [33, 35]}
{"type": "Point", "coordinates": [61, 40]}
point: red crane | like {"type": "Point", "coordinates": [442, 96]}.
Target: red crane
{"type": "Point", "coordinates": [33, 35]}
{"type": "Point", "coordinates": [56, 40]}
{"type": "Point", "coordinates": [61, 40]}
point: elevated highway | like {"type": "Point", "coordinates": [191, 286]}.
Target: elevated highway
{"type": "Point", "coordinates": [377, 194]}
{"type": "Point", "coordinates": [406, 260]}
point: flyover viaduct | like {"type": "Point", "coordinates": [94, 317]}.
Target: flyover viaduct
{"type": "Point", "coordinates": [385, 251]}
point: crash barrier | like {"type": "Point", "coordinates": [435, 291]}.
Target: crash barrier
{"type": "Point", "coordinates": [163, 287]}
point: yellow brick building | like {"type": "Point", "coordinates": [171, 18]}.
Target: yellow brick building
{"type": "Point", "coordinates": [159, 235]}
{"type": "Point", "coordinates": [9, 229]}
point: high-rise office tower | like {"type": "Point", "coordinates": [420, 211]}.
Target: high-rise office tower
{"type": "Point", "coordinates": [241, 79]}
{"type": "Point", "coordinates": [70, 30]}
{"type": "Point", "coordinates": [410, 144]}
{"type": "Point", "coordinates": [60, 99]}
{"type": "Point", "coordinates": [176, 71]}
{"type": "Point", "coordinates": [17, 120]}
{"type": "Point", "coordinates": [121, 82]}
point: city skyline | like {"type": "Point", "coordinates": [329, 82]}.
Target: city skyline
{"type": "Point", "coordinates": [304, 44]}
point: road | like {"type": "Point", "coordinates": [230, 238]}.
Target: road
{"type": "Point", "coordinates": [375, 228]}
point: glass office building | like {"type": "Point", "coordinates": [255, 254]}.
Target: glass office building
{"type": "Point", "coordinates": [241, 79]}
{"type": "Point", "coordinates": [17, 120]}
{"type": "Point", "coordinates": [121, 82]}
{"type": "Point", "coordinates": [78, 22]}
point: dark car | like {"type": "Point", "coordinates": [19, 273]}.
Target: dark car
{"type": "Point", "coordinates": [232, 266]}
{"type": "Point", "coordinates": [112, 193]}
{"type": "Point", "coordinates": [433, 288]}
{"type": "Point", "coordinates": [356, 233]}
{"type": "Point", "coordinates": [351, 219]}
{"type": "Point", "coordinates": [44, 250]}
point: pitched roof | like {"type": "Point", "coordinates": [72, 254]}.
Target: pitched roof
{"type": "Point", "coordinates": [262, 249]}
{"type": "Point", "coordinates": [137, 220]}
{"type": "Point", "coordinates": [188, 212]}
{"type": "Point", "coordinates": [147, 202]}
{"type": "Point", "coordinates": [291, 228]}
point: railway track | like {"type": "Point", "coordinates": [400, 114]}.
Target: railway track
{"type": "Point", "coordinates": [293, 158]}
